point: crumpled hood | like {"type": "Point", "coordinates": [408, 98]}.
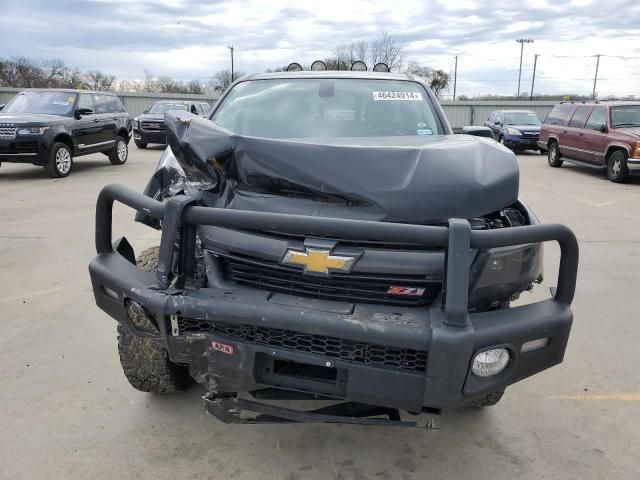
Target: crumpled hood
{"type": "Point", "coordinates": [417, 179]}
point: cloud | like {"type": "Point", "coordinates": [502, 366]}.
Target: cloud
{"type": "Point", "coordinates": [188, 39]}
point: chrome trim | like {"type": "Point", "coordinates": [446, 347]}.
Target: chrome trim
{"type": "Point", "coordinates": [17, 154]}
{"type": "Point", "coordinates": [82, 145]}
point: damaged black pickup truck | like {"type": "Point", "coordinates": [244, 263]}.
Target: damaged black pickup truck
{"type": "Point", "coordinates": [325, 236]}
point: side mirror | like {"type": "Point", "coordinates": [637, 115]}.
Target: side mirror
{"type": "Point", "coordinates": [478, 131]}
{"type": "Point", "coordinates": [1, 106]}
{"type": "Point", "coordinates": [146, 110]}
{"type": "Point", "coordinates": [82, 111]}
{"type": "Point", "coordinates": [603, 128]}
{"type": "Point", "coordinates": [497, 122]}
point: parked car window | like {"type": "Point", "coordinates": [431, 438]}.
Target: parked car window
{"type": "Point", "coordinates": [167, 107]}
{"type": "Point", "coordinates": [492, 117]}
{"type": "Point", "coordinates": [86, 101]}
{"type": "Point", "coordinates": [114, 104]}
{"type": "Point", "coordinates": [579, 116]}
{"type": "Point", "coordinates": [100, 102]}
{"type": "Point", "coordinates": [625, 116]}
{"type": "Point", "coordinates": [521, 118]}
{"type": "Point", "coordinates": [559, 114]}
{"type": "Point", "coordinates": [303, 108]}
{"type": "Point", "coordinates": [597, 118]}
{"type": "Point", "coordinates": [498, 118]}
{"type": "Point", "coordinates": [37, 101]}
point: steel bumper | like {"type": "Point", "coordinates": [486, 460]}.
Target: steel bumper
{"type": "Point", "coordinates": [448, 333]}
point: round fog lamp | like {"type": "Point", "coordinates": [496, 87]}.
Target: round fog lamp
{"type": "Point", "coordinates": [490, 362]}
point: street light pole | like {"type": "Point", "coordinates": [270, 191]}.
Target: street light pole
{"type": "Point", "coordinates": [231, 48]}
{"type": "Point", "coordinates": [521, 41]}
{"type": "Point", "coordinates": [533, 78]}
{"type": "Point", "coordinates": [455, 78]}
{"type": "Point", "coordinates": [595, 78]}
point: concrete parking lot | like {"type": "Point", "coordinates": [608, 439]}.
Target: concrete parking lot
{"type": "Point", "coordinates": [66, 410]}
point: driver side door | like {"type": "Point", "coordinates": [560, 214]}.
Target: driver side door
{"type": "Point", "coordinates": [86, 129]}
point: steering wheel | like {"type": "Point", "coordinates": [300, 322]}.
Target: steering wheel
{"type": "Point", "coordinates": [386, 131]}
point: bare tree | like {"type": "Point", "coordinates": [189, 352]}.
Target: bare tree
{"type": "Point", "coordinates": [387, 49]}
{"type": "Point", "coordinates": [97, 80]}
{"type": "Point", "coordinates": [384, 48]}
{"type": "Point", "coordinates": [438, 80]}
{"type": "Point", "coordinates": [222, 79]}
{"type": "Point", "coordinates": [351, 52]}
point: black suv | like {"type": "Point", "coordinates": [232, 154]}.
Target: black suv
{"type": "Point", "coordinates": [326, 236]}
{"type": "Point", "coordinates": [149, 127]}
{"type": "Point", "coordinates": [50, 127]}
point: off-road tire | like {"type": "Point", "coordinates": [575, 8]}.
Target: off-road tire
{"type": "Point", "coordinates": [54, 166]}
{"type": "Point", "coordinates": [553, 155]}
{"type": "Point", "coordinates": [120, 151]}
{"type": "Point", "coordinates": [145, 363]}
{"type": "Point", "coordinates": [141, 145]}
{"type": "Point", "coordinates": [488, 401]}
{"type": "Point", "coordinates": [617, 170]}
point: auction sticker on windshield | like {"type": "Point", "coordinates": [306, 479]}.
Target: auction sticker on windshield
{"type": "Point", "coordinates": [401, 96]}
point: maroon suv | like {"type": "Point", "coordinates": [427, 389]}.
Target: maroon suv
{"type": "Point", "coordinates": [597, 134]}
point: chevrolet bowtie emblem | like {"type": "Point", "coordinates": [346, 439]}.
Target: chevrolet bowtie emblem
{"type": "Point", "coordinates": [318, 261]}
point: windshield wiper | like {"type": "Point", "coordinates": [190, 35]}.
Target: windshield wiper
{"type": "Point", "coordinates": [626, 125]}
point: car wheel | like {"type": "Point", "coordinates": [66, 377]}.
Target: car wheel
{"type": "Point", "coordinates": [60, 160]}
{"type": "Point", "coordinates": [118, 155]}
{"type": "Point", "coordinates": [141, 145]}
{"type": "Point", "coordinates": [617, 170]}
{"type": "Point", "coordinates": [145, 363]}
{"type": "Point", "coordinates": [553, 156]}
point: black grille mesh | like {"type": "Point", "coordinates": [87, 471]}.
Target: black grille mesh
{"type": "Point", "coordinates": [344, 287]}
{"type": "Point", "coordinates": [346, 350]}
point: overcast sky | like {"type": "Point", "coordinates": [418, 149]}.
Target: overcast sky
{"type": "Point", "coordinates": [189, 39]}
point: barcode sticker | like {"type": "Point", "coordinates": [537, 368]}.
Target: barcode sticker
{"type": "Point", "coordinates": [397, 96]}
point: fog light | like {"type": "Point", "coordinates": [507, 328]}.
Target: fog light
{"type": "Point", "coordinates": [490, 362]}
{"type": "Point", "coordinates": [139, 316]}
{"type": "Point", "coordinates": [533, 345]}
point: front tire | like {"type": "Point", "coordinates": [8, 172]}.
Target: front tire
{"type": "Point", "coordinates": [617, 170]}
{"type": "Point", "coordinates": [60, 161]}
{"type": "Point", "coordinates": [120, 152]}
{"type": "Point", "coordinates": [145, 363]}
{"type": "Point", "coordinates": [553, 155]}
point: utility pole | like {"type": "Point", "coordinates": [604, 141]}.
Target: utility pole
{"type": "Point", "coordinates": [521, 41]}
{"type": "Point", "coordinates": [231, 48]}
{"type": "Point", "coordinates": [455, 78]}
{"type": "Point", "coordinates": [595, 79]}
{"type": "Point", "coordinates": [533, 79]}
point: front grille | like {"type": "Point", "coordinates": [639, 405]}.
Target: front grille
{"type": "Point", "coordinates": [531, 134]}
{"type": "Point", "coordinates": [149, 125]}
{"type": "Point", "coordinates": [343, 287]}
{"type": "Point", "coordinates": [20, 147]}
{"type": "Point", "coordinates": [7, 133]}
{"type": "Point", "coordinates": [346, 350]}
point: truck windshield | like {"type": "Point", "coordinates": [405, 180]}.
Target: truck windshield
{"type": "Point", "coordinates": [328, 107]}
{"type": "Point", "coordinates": [167, 107]}
{"type": "Point", "coordinates": [627, 116]}
{"type": "Point", "coordinates": [51, 103]}
{"type": "Point", "coordinates": [521, 118]}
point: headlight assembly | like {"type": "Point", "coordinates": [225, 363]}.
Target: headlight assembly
{"type": "Point", "coordinates": [32, 130]}
{"type": "Point", "coordinates": [502, 273]}
{"type": "Point", "coordinates": [513, 131]}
